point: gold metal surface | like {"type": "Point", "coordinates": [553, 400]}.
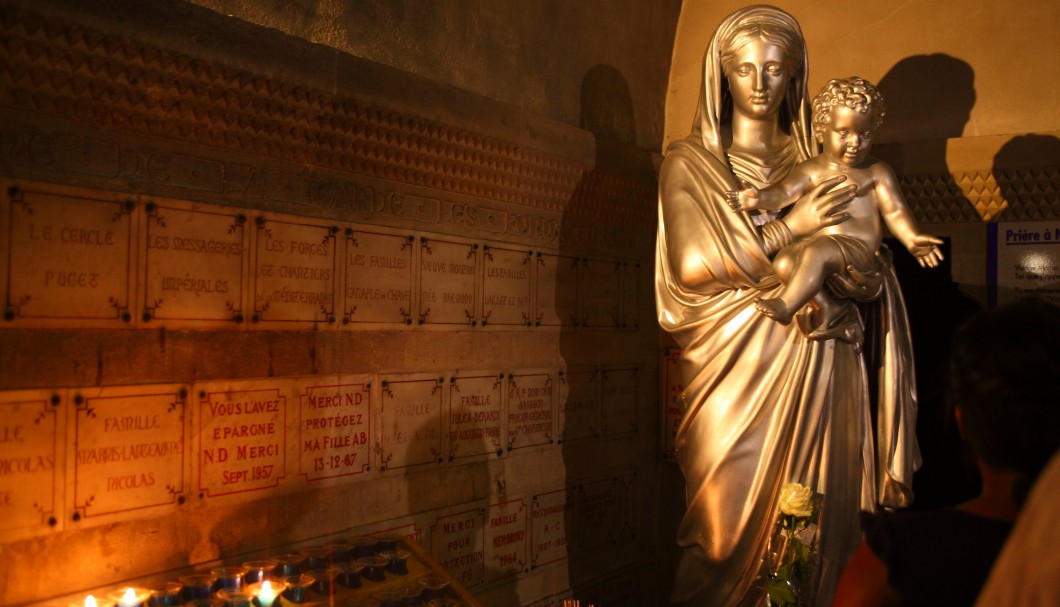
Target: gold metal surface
{"type": "Point", "coordinates": [764, 403]}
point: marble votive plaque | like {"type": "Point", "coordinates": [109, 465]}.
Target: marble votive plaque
{"type": "Point", "coordinates": [334, 427]}
{"type": "Point", "coordinates": [457, 544]}
{"type": "Point", "coordinates": [475, 411]}
{"type": "Point", "coordinates": [505, 287]}
{"type": "Point", "coordinates": [294, 271]}
{"type": "Point", "coordinates": [556, 291]}
{"type": "Point", "coordinates": [448, 270]}
{"type": "Point", "coordinates": [506, 539]}
{"type": "Point", "coordinates": [128, 449]}
{"type": "Point", "coordinates": [379, 278]}
{"type": "Point", "coordinates": [70, 256]}
{"type": "Point", "coordinates": [241, 435]}
{"type": "Point", "coordinates": [672, 402]}
{"type": "Point", "coordinates": [194, 263]}
{"type": "Point", "coordinates": [32, 443]}
{"type": "Point", "coordinates": [618, 401]}
{"type": "Point", "coordinates": [580, 404]}
{"type": "Point", "coordinates": [549, 513]}
{"type": "Point", "coordinates": [410, 429]}
{"type": "Point", "coordinates": [630, 278]}
{"type": "Point", "coordinates": [596, 508]}
{"type": "Point", "coordinates": [530, 410]}
{"type": "Point", "coordinates": [599, 301]}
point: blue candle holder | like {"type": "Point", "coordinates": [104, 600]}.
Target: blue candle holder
{"type": "Point", "coordinates": [325, 580]}
{"type": "Point", "coordinates": [339, 552]}
{"type": "Point", "coordinates": [432, 586]}
{"type": "Point", "coordinates": [288, 564]}
{"type": "Point", "coordinates": [349, 574]}
{"type": "Point", "coordinates": [386, 543]}
{"type": "Point", "coordinates": [297, 590]}
{"type": "Point", "coordinates": [314, 558]}
{"type": "Point", "coordinates": [374, 568]}
{"type": "Point", "coordinates": [259, 570]}
{"type": "Point", "coordinates": [397, 561]}
{"type": "Point", "coordinates": [363, 546]}
{"type": "Point", "coordinates": [228, 578]}
{"type": "Point", "coordinates": [197, 586]}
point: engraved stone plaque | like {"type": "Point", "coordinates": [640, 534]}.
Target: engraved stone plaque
{"type": "Point", "coordinates": [620, 589]}
{"type": "Point", "coordinates": [599, 302]}
{"type": "Point", "coordinates": [456, 542]}
{"type": "Point", "coordinates": [506, 539]}
{"type": "Point", "coordinates": [549, 514]}
{"type": "Point", "coordinates": [530, 398]}
{"type": "Point", "coordinates": [241, 430]}
{"type": "Point", "coordinates": [580, 409]}
{"type": "Point", "coordinates": [556, 294]}
{"type": "Point", "coordinates": [618, 401]}
{"type": "Point", "coordinates": [505, 287]}
{"type": "Point", "coordinates": [334, 427]}
{"type": "Point", "coordinates": [71, 256]}
{"type": "Point", "coordinates": [129, 450]}
{"type": "Point", "coordinates": [447, 282]}
{"type": "Point", "coordinates": [194, 260]}
{"type": "Point", "coordinates": [379, 278]}
{"type": "Point", "coordinates": [673, 405]}
{"type": "Point", "coordinates": [475, 409]}
{"type": "Point", "coordinates": [625, 512]}
{"type": "Point", "coordinates": [294, 271]}
{"type": "Point", "coordinates": [410, 431]}
{"type": "Point", "coordinates": [595, 509]}
{"type": "Point", "coordinates": [403, 528]}
{"type": "Point", "coordinates": [32, 439]}
{"type": "Point", "coordinates": [630, 288]}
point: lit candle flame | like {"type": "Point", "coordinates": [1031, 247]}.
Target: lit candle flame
{"type": "Point", "coordinates": [90, 601]}
{"type": "Point", "coordinates": [129, 598]}
{"type": "Point", "coordinates": [266, 594]}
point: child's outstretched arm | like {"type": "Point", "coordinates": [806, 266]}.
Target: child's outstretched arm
{"type": "Point", "coordinates": [900, 220]}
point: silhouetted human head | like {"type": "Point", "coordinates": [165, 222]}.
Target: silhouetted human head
{"type": "Point", "coordinates": [931, 97]}
{"type": "Point", "coordinates": [1005, 380]}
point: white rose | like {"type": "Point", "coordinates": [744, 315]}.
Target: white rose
{"type": "Point", "coordinates": [796, 500]}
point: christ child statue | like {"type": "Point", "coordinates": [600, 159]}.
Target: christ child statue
{"type": "Point", "coordinates": [846, 114]}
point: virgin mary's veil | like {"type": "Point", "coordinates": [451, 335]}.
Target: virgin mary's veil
{"type": "Point", "coordinates": [714, 92]}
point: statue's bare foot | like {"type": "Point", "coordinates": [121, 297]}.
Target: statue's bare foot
{"type": "Point", "coordinates": [774, 308]}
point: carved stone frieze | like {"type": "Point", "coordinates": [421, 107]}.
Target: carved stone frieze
{"type": "Point", "coordinates": [107, 107]}
{"type": "Point", "coordinates": [1023, 194]}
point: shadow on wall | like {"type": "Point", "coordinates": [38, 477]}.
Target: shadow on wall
{"type": "Point", "coordinates": [606, 112]}
{"type": "Point", "coordinates": [928, 99]}
{"type": "Point", "coordinates": [1027, 172]}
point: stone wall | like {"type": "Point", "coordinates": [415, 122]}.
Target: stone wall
{"type": "Point", "coordinates": [260, 294]}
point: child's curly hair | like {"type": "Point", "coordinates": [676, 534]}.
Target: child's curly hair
{"type": "Point", "coordinates": [855, 93]}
